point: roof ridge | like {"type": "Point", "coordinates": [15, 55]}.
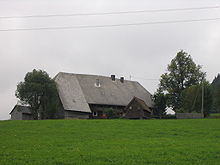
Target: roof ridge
{"type": "Point", "coordinates": [80, 74]}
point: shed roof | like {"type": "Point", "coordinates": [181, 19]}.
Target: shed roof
{"type": "Point", "coordinates": [77, 91]}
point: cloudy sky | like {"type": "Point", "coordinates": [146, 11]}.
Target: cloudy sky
{"type": "Point", "coordinates": [140, 51]}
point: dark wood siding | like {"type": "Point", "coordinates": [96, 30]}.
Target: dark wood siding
{"type": "Point", "coordinates": [75, 115]}
{"type": "Point", "coordinates": [103, 111]}
{"type": "Point", "coordinates": [27, 116]}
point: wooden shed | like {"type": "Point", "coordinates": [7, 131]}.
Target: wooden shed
{"type": "Point", "coordinates": [20, 112]}
{"type": "Point", "coordinates": [137, 109]}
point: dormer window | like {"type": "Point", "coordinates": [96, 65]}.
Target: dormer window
{"type": "Point", "coordinates": [113, 77]}
{"type": "Point", "coordinates": [97, 83]}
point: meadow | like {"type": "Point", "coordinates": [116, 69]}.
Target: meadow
{"type": "Point", "coordinates": [118, 142]}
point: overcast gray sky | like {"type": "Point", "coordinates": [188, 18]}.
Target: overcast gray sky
{"type": "Point", "coordinates": [141, 51]}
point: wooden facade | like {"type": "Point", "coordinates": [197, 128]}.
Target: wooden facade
{"type": "Point", "coordinates": [75, 115]}
{"type": "Point", "coordinates": [106, 111]}
{"type": "Point", "coordinates": [136, 109]}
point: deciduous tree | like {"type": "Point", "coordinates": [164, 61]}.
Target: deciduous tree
{"type": "Point", "coordinates": [39, 91]}
{"type": "Point", "coordinates": [160, 100]}
{"type": "Point", "coordinates": [181, 73]}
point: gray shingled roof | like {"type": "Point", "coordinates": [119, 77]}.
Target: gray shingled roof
{"type": "Point", "coordinates": [77, 91]}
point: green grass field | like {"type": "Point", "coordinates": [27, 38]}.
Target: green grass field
{"type": "Point", "coordinates": [120, 142]}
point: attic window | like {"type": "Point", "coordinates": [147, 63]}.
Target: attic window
{"type": "Point", "coordinates": [97, 83]}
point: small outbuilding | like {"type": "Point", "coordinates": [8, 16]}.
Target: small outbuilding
{"type": "Point", "coordinates": [137, 109]}
{"type": "Point", "coordinates": [20, 112]}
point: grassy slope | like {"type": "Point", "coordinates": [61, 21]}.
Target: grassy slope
{"type": "Point", "coordinates": [65, 142]}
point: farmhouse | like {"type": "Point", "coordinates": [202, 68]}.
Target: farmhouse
{"type": "Point", "coordinates": [93, 96]}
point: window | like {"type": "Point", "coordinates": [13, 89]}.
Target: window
{"type": "Point", "coordinates": [95, 113]}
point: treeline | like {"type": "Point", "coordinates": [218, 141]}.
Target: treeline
{"type": "Point", "coordinates": [184, 88]}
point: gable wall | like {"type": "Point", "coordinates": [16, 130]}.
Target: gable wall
{"type": "Point", "coordinates": [134, 111]}
{"type": "Point", "coordinates": [16, 115]}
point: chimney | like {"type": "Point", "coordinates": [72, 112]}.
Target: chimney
{"type": "Point", "coordinates": [113, 77]}
{"type": "Point", "coordinates": [122, 79]}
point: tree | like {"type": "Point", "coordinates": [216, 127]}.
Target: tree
{"type": "Point", "coordinates": [217, 98]}
{"type": "Point", "coordinates": [160, 100]}
{"type": "Point", "coordinates": [216, 94]}
{"type": "Point", "coordinates": [191, 99]}
{"type": "Point", "coordinates": [39, 91]}
{"type": "Point", "coordinates": [182, 73]}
